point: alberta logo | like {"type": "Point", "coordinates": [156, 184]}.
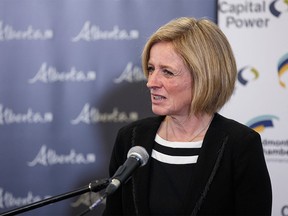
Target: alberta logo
{"type": "Point", "coordinates": [283, 69]}
{"type": "Point", "coordinates": [261, 122]}
{"type": "Point", "coordinates": [277, 7]}
{"type": "Point", "coordinates": [247, 74]}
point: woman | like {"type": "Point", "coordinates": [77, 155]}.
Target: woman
{"type": "Point", "coordinates": [201, 163]}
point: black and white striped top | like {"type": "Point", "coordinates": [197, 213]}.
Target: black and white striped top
{"type": "Point", "coordinates": [172, 172]}
{"type": "Point", "coordinates": [175, 152]}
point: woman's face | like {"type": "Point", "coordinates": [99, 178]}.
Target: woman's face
{"type": "Point", "coordinates": [169, 81]}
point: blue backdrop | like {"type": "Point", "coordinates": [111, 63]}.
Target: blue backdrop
{"type": "Point", "coordinates": [70, 77]}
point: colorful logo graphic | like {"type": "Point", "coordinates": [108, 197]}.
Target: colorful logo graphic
{"type": "Point", "coordinates": [261, 122]}
{"type": "Point", "coordinates": [277, 7]}
{"type": "Point", "coordinates": [282, 69]}
{"type": "Point", "coordinates": [247, 74]}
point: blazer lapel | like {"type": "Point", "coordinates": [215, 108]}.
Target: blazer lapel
{"type": "Point", "coordinates": [145, 136]}
{"type": "Point", "coordinates": [207, 164]}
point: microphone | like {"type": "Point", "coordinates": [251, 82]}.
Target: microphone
{"type": "Point", "coordinates": [137, 156]}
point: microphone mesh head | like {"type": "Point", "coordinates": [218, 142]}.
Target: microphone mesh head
{"type": "Point", "coordinates": [140, 153]}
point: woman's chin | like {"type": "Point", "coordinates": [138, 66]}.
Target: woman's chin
{"type": "Point", "coordinates": [159, 112]}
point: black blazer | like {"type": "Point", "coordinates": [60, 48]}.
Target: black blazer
{"type": "Point", "coordinates": [231, 173]}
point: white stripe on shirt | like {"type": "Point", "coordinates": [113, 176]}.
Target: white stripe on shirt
{"type": "Point", "coordinates": [173, 159]}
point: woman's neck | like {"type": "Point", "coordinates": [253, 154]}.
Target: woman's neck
{"type": "Point", "coordinates": [187, 129]}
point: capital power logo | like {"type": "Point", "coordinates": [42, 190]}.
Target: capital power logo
{"type": "Point", "coordinates": [283, 70]}
{"type": "Point", "coordinates": [275, 150]}
{"type": "Point", "coordinates": [284, 210]}
{"type": "Point", "coordinates": [247, 74]}
{"type": "Point", "coordinates": [277, 7]}
{"type": "Point", "coordinates": [253, 14]}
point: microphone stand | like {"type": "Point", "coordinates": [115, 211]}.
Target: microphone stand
{"type": "Point", "coordinates": [92, 187]}
{"type": "Point", "coordinates": [94, 205]}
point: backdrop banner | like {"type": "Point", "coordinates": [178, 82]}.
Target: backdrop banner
{"type": "Point", "coordinates": [258, 33]}
{"type": "Point", "coordinates": [70, 77]}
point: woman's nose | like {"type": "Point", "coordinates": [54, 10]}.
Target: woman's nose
{"type": "Point", "coordinates": [153, 80]}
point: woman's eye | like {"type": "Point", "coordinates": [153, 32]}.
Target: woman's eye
{"type": "Point", "coordinates": [167, 72]}
{"type": "Point", "coordinates": [150, 69]}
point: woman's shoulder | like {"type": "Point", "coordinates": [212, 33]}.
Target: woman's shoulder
{"type": "Point", "coordinates": [232, 126]}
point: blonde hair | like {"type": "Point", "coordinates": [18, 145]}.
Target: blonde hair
{"type": "Point", "coordinates": [207, 53]}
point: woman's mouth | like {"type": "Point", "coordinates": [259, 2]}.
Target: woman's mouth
{"type": "Point", "coordinates": [158, 97]}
